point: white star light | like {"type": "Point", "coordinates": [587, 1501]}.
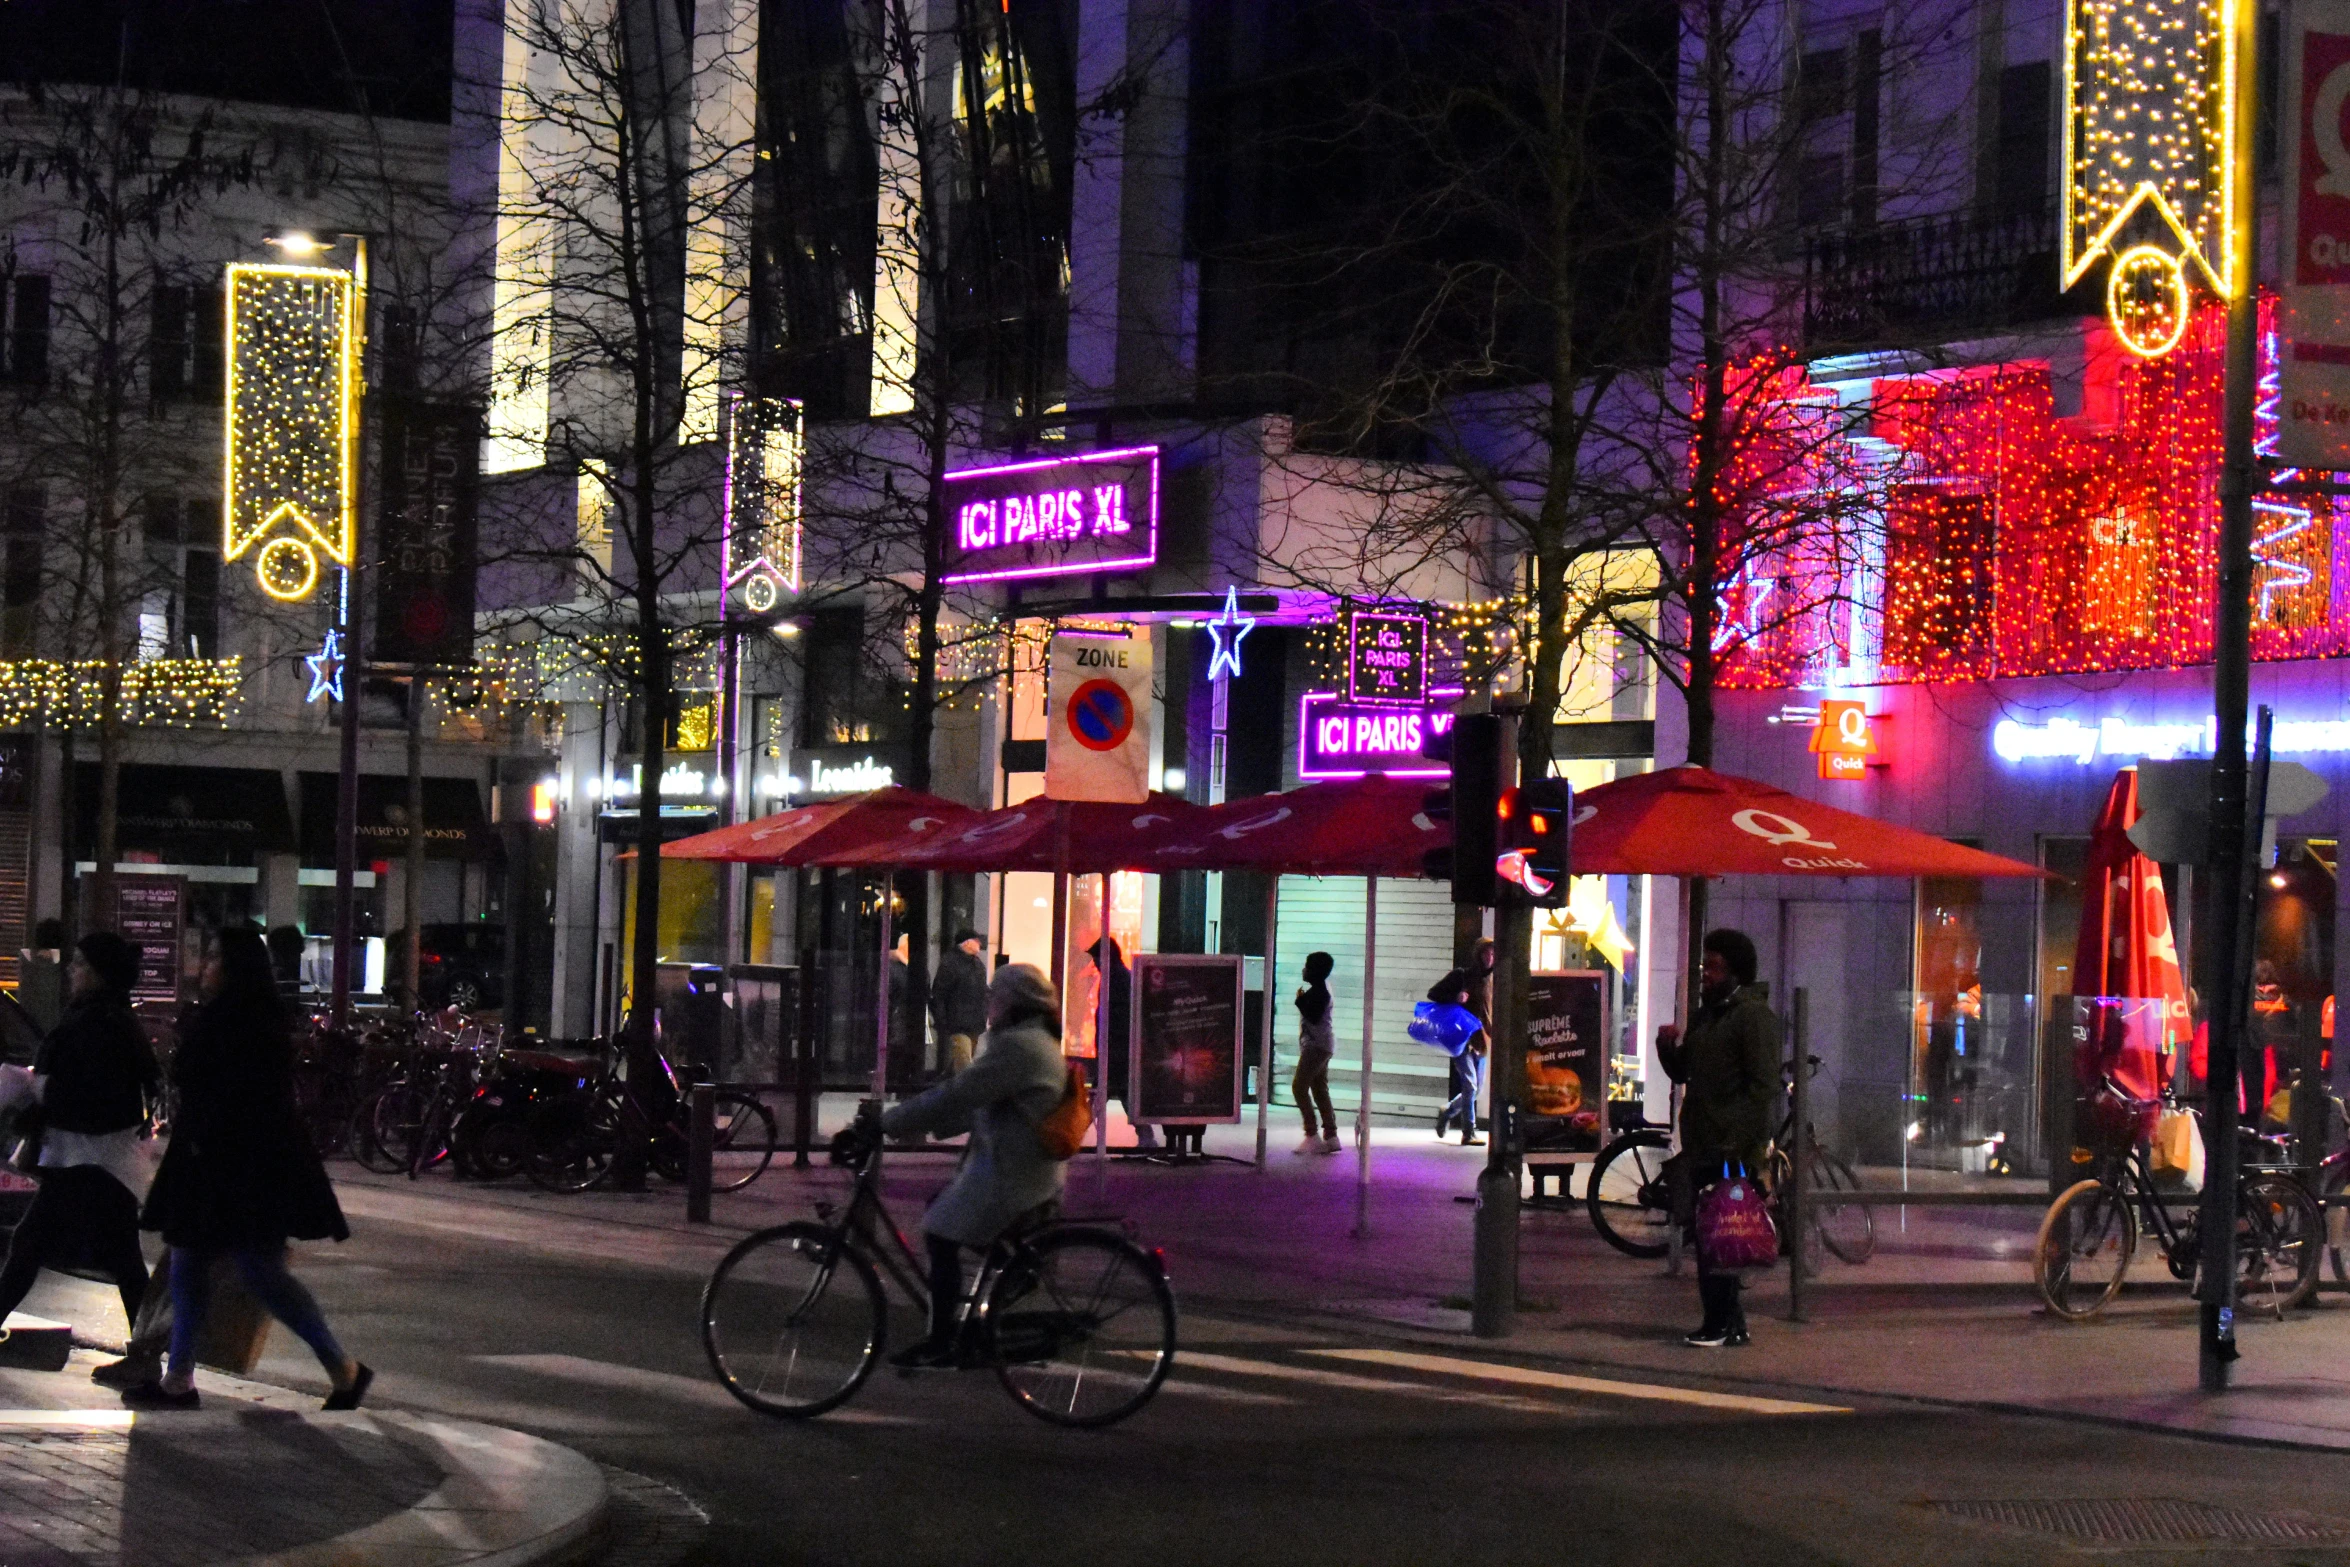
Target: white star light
{"type": "Point", "coordinates": [326, 668]}
{"type": "Point", "coordinates": [1224, 633]}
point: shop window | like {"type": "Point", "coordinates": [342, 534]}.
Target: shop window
{"type": "Point", "coordinates": [179, 610]}
{"type": "Point", "coordinates": [844, 701]}
{"type": "Point", "coordinates": [184, 343]}
{"type": "Point", "coordinates": [2020, 140]}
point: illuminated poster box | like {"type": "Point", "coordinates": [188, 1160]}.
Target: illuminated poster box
{"type": "Point", "coordinates": [1053, 517]}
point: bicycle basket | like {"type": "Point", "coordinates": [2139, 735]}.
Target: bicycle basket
{"type": "Point", "coordinates": [2113, 1122]}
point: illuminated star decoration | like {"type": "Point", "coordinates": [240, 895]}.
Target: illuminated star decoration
{"type": "Point", "coordinates": [326, 668]}
{"type": "Point", "coordinates": [1224, 634]}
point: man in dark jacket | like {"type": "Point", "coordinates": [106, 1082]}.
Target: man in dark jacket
{"type": "Point", "coordinates": [958, 998]}
{"type": "Point", "coordinates": [1728, 1065]}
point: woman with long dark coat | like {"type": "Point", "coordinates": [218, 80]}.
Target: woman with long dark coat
{"type": "Point", "coordinates": [241, 1178]}
{"type": "Point", "coordinates": [91, 1080]}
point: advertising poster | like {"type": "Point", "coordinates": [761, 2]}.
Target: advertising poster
{"type": "Point", "coordinates": [427, 532]}
{"type": "Point", "coordinates": [1187, 1042]}
{"type": "Point", "coordinates": [149, 913]}
{"type": "Point", "coordinates": [1566, 1057]}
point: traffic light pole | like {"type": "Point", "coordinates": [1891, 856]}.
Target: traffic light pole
{"type": "Point", "coordinates": [2231, 679]}
{"type": "Point", "coordinates": [1493, 1300]}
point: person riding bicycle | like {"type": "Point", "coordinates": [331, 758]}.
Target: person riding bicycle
{"type": "Point", "coordinates": [1006, 1176]}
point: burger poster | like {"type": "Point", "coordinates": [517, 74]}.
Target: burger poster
{"type": "Point", "coordinates": [1566, 1052]}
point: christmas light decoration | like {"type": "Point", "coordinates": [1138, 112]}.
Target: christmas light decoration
{"type": "Point", "coordinates": [170, 693]}
{"type": "Point", "coordinates": [1225, 634]}
{"type": "Point", "coordinates": [2149, 139]}
{"type": "Point", "coordinates": [291, 427]}
{"type": "Point", "coordinates": [764, 462]}
{"type": "Point", "coordinates": [326, 669]}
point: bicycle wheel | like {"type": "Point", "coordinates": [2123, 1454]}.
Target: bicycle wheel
{"type": "Point", "coordinates": [1847, 1229]}
{"type": "Point", "coordinates": [1081, 1327]}
{"type": "Point", "coordinates": [793, 1320]}
{"type": "Point", "coordinates": [2280, 1231]}
{"type": "Point", "coordinates": [746, 1134]}
{"type": "Point", "coordinates": [571, 1144]}
{"type": "Point", "coordinates": [2084, 1250]}
{"type": "Point", "coordinates": [1626, 1198]}
{"type": "Point", "coordinates": [392, 1120]}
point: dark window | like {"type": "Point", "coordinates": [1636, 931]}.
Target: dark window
{"type": "Point", "coordinates": [1819, 86]}
{"type": "Point", "coordinates": [179, 611]}
{"type": "Point", "coordinates": [2019, 166]}
{"type": "Point", "coordinates": [167, 341]}
{"type": "Point", "coordinates": [1867, 62]}
{"type": "Point", "coordinates": [28, 331]}
{"type": "Point", "coordinates": [20, 571]}
{"type": "Point", "coordinates": [842, 701]}
{"type": "Point", "coordinates": [198, 633]}
{"type": "Point", "coordinates": [207, 345]}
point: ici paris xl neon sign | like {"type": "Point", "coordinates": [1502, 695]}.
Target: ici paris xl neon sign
{"type": "Point", "coordinates": [1088, 513]}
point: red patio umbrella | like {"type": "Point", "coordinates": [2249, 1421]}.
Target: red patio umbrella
{"type": "Point", "coordinates": [1088, 837]}
{"type": "Point", "coordinates": [2126, 948]}
{"type": "Point", "coordinates": [1354, 827]}
{"type": "Point", "coordinates": [831, 832]}
{"type": "Point", "coordinates": [1691, 821]}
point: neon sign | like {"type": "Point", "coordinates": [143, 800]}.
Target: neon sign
{"type": "Point", "coordinates": [2071, 740]}
{"type": "Point", "coordinates": [1386, 658]}
{"type": "Point", "coordinates": [1092, 513]}
{"type": "Point", "coordinates": [1337, 738]}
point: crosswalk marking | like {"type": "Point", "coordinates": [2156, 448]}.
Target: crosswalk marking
{"type": "Point", "coordinates": [660, 1384]}
{"type": "Point", "coordinates": [1233, 1365]}
{"type": "Point", "coordinates": [1743, 1403]}
{"type": "Point", "coordinates": [1219, 1394]}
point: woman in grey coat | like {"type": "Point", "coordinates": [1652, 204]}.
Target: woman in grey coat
{"type": "Point", "coordinates": [1006, 1176]}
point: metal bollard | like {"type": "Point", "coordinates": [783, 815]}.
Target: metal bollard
{"type": "Point", "coordinates": [701, 1135]}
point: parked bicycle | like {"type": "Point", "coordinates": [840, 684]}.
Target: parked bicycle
{"type": "Point", "coordinates": [1076, 1321]}
{"type": "Point", "coordinates": [1631, 1207]}
{"type": "Point", "coordinates": [2091, 1231]}
{"type": "Point", "coordinates": [433, 1061]}
{"type": "Point", "coordinates": [574, 1138]}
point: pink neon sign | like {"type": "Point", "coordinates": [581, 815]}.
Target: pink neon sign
{"type": "Point", "coordinates": [1337, 738]}
{"type": "Point", "coordinates": [1095, 512]}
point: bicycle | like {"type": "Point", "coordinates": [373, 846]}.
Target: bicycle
{"type": "Point", "coordinates": [2090, 1233]}
{"type": "Point", "coordinates": [1631, 1208]}
{"type": "Point", "coordinates": [1076, 1321]}
{"type": "Point", "coordinates": [572, 1141]}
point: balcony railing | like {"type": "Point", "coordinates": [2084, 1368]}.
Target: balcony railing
{"type": "Point", "coordinates": [1893, 283]}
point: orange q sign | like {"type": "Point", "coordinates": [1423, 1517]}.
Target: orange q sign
{"type": "Point", "coordinates": [1845, 740]}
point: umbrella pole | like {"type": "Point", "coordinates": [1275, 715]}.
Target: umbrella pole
{"type": "Point", "coordinates": [1363, 1096]}
{"type": "Point", "coordinates": [1265, 1029]}
{"type": "Point", "coordinates": [881, 1001]}
{"type": "Point", "coordinates": [1102, 1045]}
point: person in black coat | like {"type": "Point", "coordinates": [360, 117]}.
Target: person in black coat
{"type": "Point", "coordinates": [1115, 1051]}
{"type": "Point", "coordinates": [241, 1177]}
{"type": "Point", "coordinates": [92, 1079]}
{"type": "Point", "coordinates": [958, 999]}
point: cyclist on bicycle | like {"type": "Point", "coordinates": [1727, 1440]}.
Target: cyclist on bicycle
{"type": "Point", "coordinates": [1006, 1176]}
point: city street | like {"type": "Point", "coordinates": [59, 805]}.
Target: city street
{"type": "Point", "coordinates": [1287, 1434]}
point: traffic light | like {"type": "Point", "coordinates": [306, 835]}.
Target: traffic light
{"type": "Point", "coordinates": [1476, 791]}
{"type": "Point", "coordinates": [1534, 828]}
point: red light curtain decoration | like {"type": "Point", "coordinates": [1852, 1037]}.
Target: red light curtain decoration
{"type": "Point", "coordinates": [2020, 542]}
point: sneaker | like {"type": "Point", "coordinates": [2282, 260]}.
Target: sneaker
{"type": "Point", "coordinates": [1331, 1144]}
{"type": "Point", "coordinates": [1471, 1140]}
{"type": "Point", "coordinates": [924, 1356]}
{"type": "Point", "coordinates": [1739, 1338]}
{"type": "Point", "coordinates": [1310, 1145]}
{"type": "Point", "coordinates": [1710, 1338]}
{"type": "Point", "coordinates": [130, 1371]}
{"type": "Point", "coordinates": [154, 1395]}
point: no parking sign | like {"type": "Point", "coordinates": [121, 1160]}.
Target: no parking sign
{"type": "Point", "coordinates": [1098, 743]}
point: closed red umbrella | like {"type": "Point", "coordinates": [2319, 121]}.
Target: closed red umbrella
{"type": "Point", "coordinates": [1691, 821]}
{"type": "Point", "coordinates": [830, 832]}
{"type": "Point", "coordinates": [2126, 949]}
{"type": "Point", "coordinates": [1352, 827]}
{"type": "Point", "coordinates": [1087, 837]}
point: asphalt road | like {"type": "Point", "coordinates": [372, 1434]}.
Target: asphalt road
{"type": "Point", "coordinates": [1289, 1444]}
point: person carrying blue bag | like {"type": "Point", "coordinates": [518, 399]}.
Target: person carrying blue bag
{"type": "Point", "coordinates": [1728, 1066]}
{"type": "Point", "coordinates": [1469, 990]}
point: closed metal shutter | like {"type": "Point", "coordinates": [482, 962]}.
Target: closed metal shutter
{"type": "Point", "coordinates": [1415, 950]}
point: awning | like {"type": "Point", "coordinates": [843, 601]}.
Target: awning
{"type": "Point", "coordinates": [454, 826]}
{"type": "Point", "coordinates": [188, 815]}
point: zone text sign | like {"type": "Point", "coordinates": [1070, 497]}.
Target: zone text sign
{"type": "Point", "coordinates": [1337, 738]}
{"type": "Point", "coordinates": [1059, 516]}
{"type": "Point", "coordinates": [1386, 658]}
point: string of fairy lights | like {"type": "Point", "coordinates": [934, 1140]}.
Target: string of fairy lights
{"type": "Point", "coordinates": [168, 693]}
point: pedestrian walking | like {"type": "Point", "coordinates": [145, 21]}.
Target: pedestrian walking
{"type": "Point", "coordinates": [958, 998]}
{"type": "Point", "coordinates": [241, 1178]}
{"type": "Point", "coordinates": [91, 1083]}
{"type": "Point", "coordinates": [1007, 1177]}
{"type": "Point", "coordinates": [1471, 988]}
{"type": "Point", "coordinates": [1728, 1066]}
{"type": "Point", "coordinates": [1111, 1054]}
{"type": "Point", "coordinates": [1309, 1086]}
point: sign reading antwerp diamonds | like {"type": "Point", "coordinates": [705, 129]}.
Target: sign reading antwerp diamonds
{"type": "Point", "coordinates": [1053, 517]}
{"type": "Point", "coordinates": [2313, 350]}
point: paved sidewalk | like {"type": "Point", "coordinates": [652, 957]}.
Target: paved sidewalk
{"type": "Point", "coordinates": [260, 1475]}
{"type": "Point", "coordinates": [1945, 1310]}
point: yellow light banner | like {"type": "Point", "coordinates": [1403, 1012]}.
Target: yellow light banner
{"type": "Point", "coordinates": [292, 426]}
{"type": "Point", "coordinates": [2149, 138]}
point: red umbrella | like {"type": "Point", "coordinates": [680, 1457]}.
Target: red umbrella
{"type": "Point", "coordinates": [1356, 827]}
{"type": "Point", "coordinates": [1087, 837]}
{"type": "Point", "coordinates": [833, 832]}
{"type": "Point", "coordinates": [1689, 821]}
{"type": "Point", "coordinates": [2125, 947]}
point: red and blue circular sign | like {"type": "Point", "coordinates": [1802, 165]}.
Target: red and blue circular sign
{"type": "Point", "coordinates": [1101, 715]}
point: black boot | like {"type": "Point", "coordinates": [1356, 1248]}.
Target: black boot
{"type": "Point", "coordinates": [1734, 1312]}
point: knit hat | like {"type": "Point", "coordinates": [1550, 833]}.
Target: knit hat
{"type": "Point", "coordinates": [1021, 989]}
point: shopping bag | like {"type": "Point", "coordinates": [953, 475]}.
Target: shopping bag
{"type": "Point", "coordinates": [1443, 1025]}
{"type": "Point", "coordinates": [236, 1326]}
{"type": "Point", "coordinates": [2175, 1152]}
{"type": "Point", "coordinates": [1734, 1229]}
